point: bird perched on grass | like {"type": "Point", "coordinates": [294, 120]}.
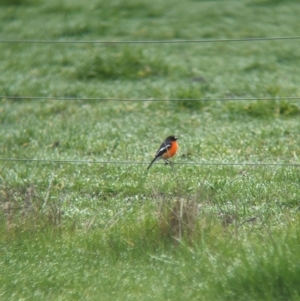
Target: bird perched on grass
{"type": "Point", "coordinates": [166, 151]}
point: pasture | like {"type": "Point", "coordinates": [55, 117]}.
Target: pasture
{"type": "Point", "coordinates": [81, 218]}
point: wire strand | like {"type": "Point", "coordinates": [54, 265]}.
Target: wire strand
{"type": "Point", "coordinates": [258, 164]}
{"type": "Point", "coordinates": [147, 99]}
{"type": "Point", "coordinates": [150, 41]}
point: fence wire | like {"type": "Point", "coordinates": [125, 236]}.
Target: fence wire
{"type": "Point", "coordinates": [147, 99]}
{"type": "Point", "coordinates": [224, 40]}
{"type": "Point", "coordinates": [49, 161]}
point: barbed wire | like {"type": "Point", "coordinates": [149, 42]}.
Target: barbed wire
{"type": "Point", "coordinates": [256, 164]}
{"type": "Point", "coordinates": [150, 41]}
{"type": "Point", "coordinates": [147, 99]}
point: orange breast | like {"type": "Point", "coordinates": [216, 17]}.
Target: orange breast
{"type": "Point", "coordinates": [171, 151]}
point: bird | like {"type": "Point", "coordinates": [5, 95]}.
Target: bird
{"type": "Point", "coordinates": [166, 151]}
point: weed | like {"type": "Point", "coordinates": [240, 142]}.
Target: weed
{"type": "Point", "coordinates": [127, 64]}
{"type": "Point", "coordinates": [191, 98]}
{"type": "Point", "coordinates": [177, 220]}
{"type": "Point", "coordinates": [271, 109]}
{"type": "Point", "coordinates": [16, 2]}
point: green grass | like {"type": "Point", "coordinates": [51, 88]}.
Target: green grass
{"type": "Point", "coordinates": [95, 231]}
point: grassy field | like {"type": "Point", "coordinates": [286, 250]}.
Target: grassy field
{"type": "Point", "coordinates": [80, 225]}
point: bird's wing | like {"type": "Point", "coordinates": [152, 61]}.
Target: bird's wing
{"type": "Point", "coordinates": [163, 149]}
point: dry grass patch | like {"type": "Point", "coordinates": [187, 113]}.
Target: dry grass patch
{"type": "Point", "coordinates": [25, 208]}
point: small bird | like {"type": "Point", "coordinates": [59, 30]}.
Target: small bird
{"type": "Point", "coordinates": [167, 150]}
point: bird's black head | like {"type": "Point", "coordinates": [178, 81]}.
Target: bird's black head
{"type": "Point", "coordinates": [172, 138]}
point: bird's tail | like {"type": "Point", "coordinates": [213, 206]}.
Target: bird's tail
{"type": "Point", "coordinates": [152, 162]}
